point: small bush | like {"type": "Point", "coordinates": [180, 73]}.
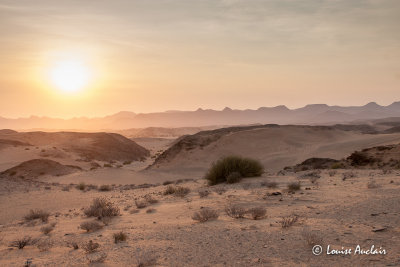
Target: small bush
{"type": "Point", "coordinates": [294, 186]}
{"type": "Point", "coordinates": [311, 238]}
{"type": "Point", "coordinates": [170, 190]}
{"type": "Point", "coordinates": [235, 211]}
{"type": "Point", "coordinates": [37, 214]}
{"type": "Point", "coordinates": [105, 187]}
{"type": "Point", "coordinates": [119, 237]}
{"type": "Point", "coordinates": [47, 229]}
{"type": "Point", "coordinates": [348, 175]}
{"type": "Point", "coordinates": [101, 207]}
{"type": "Point", "coordinates": [145, 259]}
{"type": "Point", "coordinates": [221, 169]}
{"type": "Point", "coordinates": [91, 226]}
{"type": "Point", "coordinates": [181, 191]}
{"type": "Point", "coordinates": [21, 243]}
{"type": "Point", "coordinates": [257, 213]}
{"type": "Point", "coordinates": [90, 246]}
{"type": "Point", "coordinates": [97, 257]}
{"type": "Point", "coordinates": [73, 244]}
{"type": "Point", "coordinates": [167, 182]}
{"type": "Point", "coordinates": [44, 244]}
{"type": "Point", "coordinates": [288, 221]}
{"type": "Point", "coordinates": [150, 199]}
{"type": "Point", "coordinates": [141, 204]}
{"type": "Point", "coordinates": [205, 214]}
{"type": "Point", "coordinates": [81, 186]}
{"type": "Point", "coordinates": [203, 193]}
{"type": "Point", "coordinates": [150, 210]}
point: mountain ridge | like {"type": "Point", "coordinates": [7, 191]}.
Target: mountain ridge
{"type": "Point", "coordinates": [309, 114]}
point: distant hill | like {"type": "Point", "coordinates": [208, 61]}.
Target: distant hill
{"type": "Point", "coordinates": [89, 146]}
{"type": "Point", "coordinates": [310, 114]}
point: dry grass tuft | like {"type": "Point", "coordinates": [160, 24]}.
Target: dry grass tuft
{"type": "Point", "coordinates": [145, 259]}
{"type": "Point", "coordinates": [312, 238]}
{"type": "Point", "coordinates": [235, 211]}
{"type": "Point", "coordinates": [22, 242]}
{"type": "Point", "coordinates": [37, 214]}
{"type": "Point", "coordinates": [205, 214]}
{"type": "Point", "coordinates": [141, 204]}
{"type": "Point", "coordinates": [372, 185]}
{"type": "Point", "coordinates": [288, 221]}
{"type": "Point", "coordinates": [105, 188]}
{"type": "Point", "coordinates": [47, 229]}
{"type": "Point", "coordinates": [257, 213]}
{"type": "Point", "coordinates": [101, 207]}
{"type": "Point", "coordinates": [203, 193]}
{"type": "Point", "coordinates": [90, 246]}
{"type": "Point", "coordinates": [294, 186]}
{"type": "Point", "coordinates": [119, 237]}
{"type": "Point", "coordinates": [91, 226]}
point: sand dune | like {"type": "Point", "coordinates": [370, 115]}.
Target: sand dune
{"type": "Point", "coordinates": [275, 146]}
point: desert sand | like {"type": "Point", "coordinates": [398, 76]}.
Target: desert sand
{"type": "Point", "coordinates": [340, 207]}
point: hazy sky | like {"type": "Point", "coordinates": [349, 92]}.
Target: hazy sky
{"type": "Point", "coordinates": [148, 55]}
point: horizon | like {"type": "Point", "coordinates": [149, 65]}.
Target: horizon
{"type": "Point", "coordinates": [71, 59]}
{"type": "Point", "coordinates": [199, 108]}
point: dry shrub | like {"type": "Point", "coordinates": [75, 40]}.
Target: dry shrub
{"type": "Point", "coordinates": [22, 242]}
{"type": "Point", "coordinates": [145, 258]}
{"type": "Point", "coordinates": [66, 188]}
{"type": "Point", "coordinates": [294, 186]}
{"type": "Point", "coordinates": [134, 211]}
{"type": "Point", "coordinates": [348, 175]}
{"type": "Point", "coordinates": [150, 210]}
{"type": "Point", "coordinates": [96, 257]}
{"type": "Point", "coordinates": [169, 190]}
{"type": "Point", "coordinates": [312, 238]}
{"type": "Point", "coordinates": [37, 214]}
{"type": "Point", "coordinates": [220, 190]}
{"type": "Point", "coordinates": [257, 213]}
{"type": "Point", "coordinates": [288, 221]}
{"type": "Point", "coordinates": [81, 186]}
{"type": "Point", "coordinates": [205, 214]}
{"type": "Point", "coordinates": [150, 199]}
{"type": "Point", "coordinates": [167, 182]}
{"type": "Point", "coordinates": [73, 244]}
{"type": "Point", "coordinates": [47, 229]}
{"type": "Point", "coordinates": [90, 246]}
{"type": "Point", "coordinates": [105, 187]}
{"type": "Point", "coordinates": [235, 211]}
{"type": "Point", "coordinates": [203, 193]}
{"type": "Point", "coordinates": [372, 185]}
{"type": "Point", "coordinates": [44, 244]}
{"type": "Point", "coordinates": [141, 204]}
{"type": "Point", "coordinates": [102, 207]}
{"type": "Point", "coordinates": [119, 237]}
{"type": "Point", "coordinates": [181, 191]}
{"type": "Point", "coordinates": [91, 226]}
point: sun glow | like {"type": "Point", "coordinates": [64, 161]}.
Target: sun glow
{"type": "Point", "coordinates": [70, 75]}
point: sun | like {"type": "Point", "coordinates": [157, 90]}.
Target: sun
{"type": "Point", "coordinates": [70, 75]}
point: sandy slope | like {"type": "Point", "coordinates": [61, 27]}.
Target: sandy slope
{"type": "Point", "coordinates": [342, 213]}
{"type": "Point", "coordinates": [275, 147]}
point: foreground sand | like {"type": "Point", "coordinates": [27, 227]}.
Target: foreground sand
{"type": "Point", "coordinates": [339, 212]}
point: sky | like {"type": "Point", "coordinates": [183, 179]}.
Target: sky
{"type": "Point", "coordinates": [150, 56]}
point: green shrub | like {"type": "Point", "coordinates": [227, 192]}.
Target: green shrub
{"type": "Point", "coordinates": [221, 169]}
{"type": "Point", "coordinates": [233, 177]}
